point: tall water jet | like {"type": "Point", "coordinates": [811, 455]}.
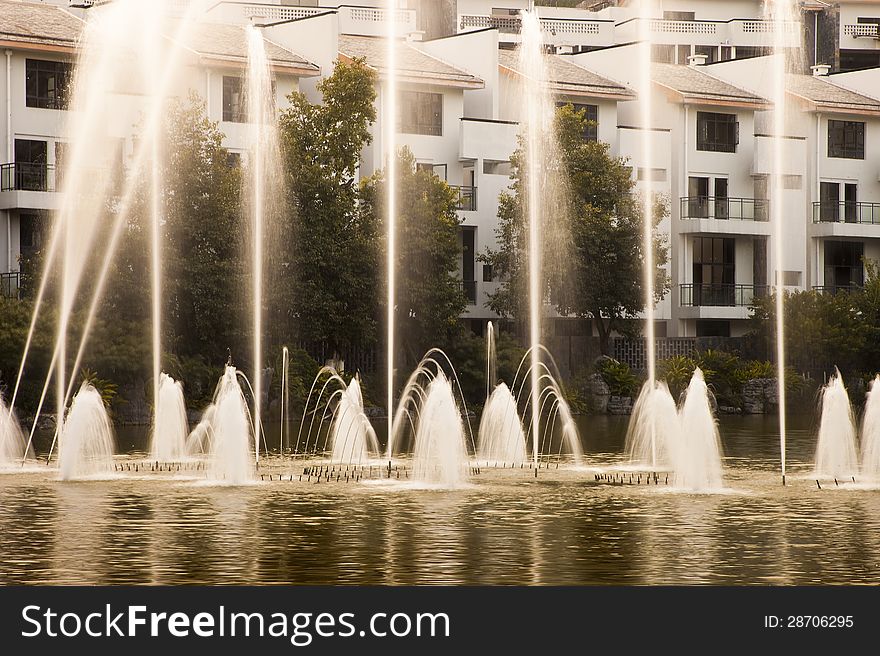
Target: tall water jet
{"type": "Point", "coordinates": [170, 427]}
{"type": "Point", "coordinates": [352, 437]}
{"type": "Point", "coordinates": [501, 436]}
{"type": "Point", "coordinates": [390, 137]}
{"type": "Point", "coordinates": [440, 456]}
{"type": "Point", "coordinates": [86, 442]}
{"type": "Point", "coordinates": [780, 12]}
{"type": "Point", "coordinates": [224, 433]}
{"type": "Point", "coordinates": [538, 127]}
{"type": "Point", "coordinates": [871, 432]}
{"type": "Point", "coordinates": [653, 426]}
{"type": "Point", "coordinates": [836, 448]}
{"type": "Point", "coordinates": [12, 442]}
{"type": "Point", "coordinates": [284, 441]}
{"type": "Point", "coordinates": [696, 455]}
{"type": "Point", "coordinates": [263, 165]}
{"type": "Point", "coordinates": [491, 359]}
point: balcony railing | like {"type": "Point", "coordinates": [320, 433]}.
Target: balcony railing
{"type": "Point", "coordinates": [467, 198]}
{"type": "Point", "coordinates": [513, 25]}
{"type": "Point", "coordinates": [857, 30]}
{"type": "Point", "coordinates": [10, 283]}
{"type": "Point", "coordinates": [846, 212]}
{"type": "Point", "coordinates": [714, 207]}
{"type": "Point", "coordinates": [469, 287]}
{"type": "Point", "coordinates": [834, 289]}
{"type": "Point", "coordinates": [25, 176]}
{"type": "Point", "coordinates": [720, 295]}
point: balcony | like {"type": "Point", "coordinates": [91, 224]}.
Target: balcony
{"type": "Point", "coordinates": [469, 287]}
{"type": "Point", "coordinates": [10, 283]}
{"type": "Point", "coordinates": [559, 31]}
{"type": "Point", "coordinates": [467, 198]}
{"type": "Point", "coordinates": [724, 209]}
{"type": "Point", "coordinates": [835, 289]}
{"type": "Point", "coordinates": [720, 295]}
{"type": "Point", "coordinates": [734, 32]}
{"type": "Point", "coordinates": [846, 212]}
{"type": "Point", "coordinates": [25, 176]}
{"type": "Point", "coordinates": [860, 36]}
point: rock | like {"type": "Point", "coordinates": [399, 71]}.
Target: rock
{"type": "Point", "coordinates": [620, 405]}
{"type": "Point", "coordinates": [598, 393]}
{"type": "Point", "coordinates": [753, 397]}
{"type": "Point", "coordinates": [728, 410]}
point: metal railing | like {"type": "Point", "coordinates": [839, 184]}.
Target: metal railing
{"type": "Point", "coordinates": [10, 284]}
{"type": "Point", "coordinates": [469, 287]}
{"type": "Point", "coordinates": [467, 198]}
{"type": "Point", "coordinates": [846, 212]}
{"type": "Point", "coordinates": [716, 207]}
{"type": "Point", "coordinates": [720, 295]}
{"type": "Point", "coordinates": [834, 289]}
{"type": "Point", "coordinates": [26, 176]}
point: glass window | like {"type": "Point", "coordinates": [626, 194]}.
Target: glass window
{"type": "Point", "coordinates": [717, 132]}
{"type": "Point", "coordinates": [421, 113]}
{"type": "Point", "coordinates": [846, 139]}
{"type": "Point", "coordinates": [844, 266]}
{"type": "Point", "coordinates": [591, 114]}
{"type": "Point", "coordinates": [47, 83]}
{"type": "Point", "coordinates": [234, 109]}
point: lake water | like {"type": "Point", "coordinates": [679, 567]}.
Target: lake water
{"type": "Point", "coordinates": [507, 527]}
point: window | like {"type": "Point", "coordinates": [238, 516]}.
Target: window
{"type": "Point", "coordinates": [591, 115]}
{"type": "Point", "coordinates": [488, 273]}
{"type": "Point", "coordinates": [683, 53]}
{"type": "Point", "coordinates": [663, 53]}
{"type": "Point", "coordinates": [830, 204]}
{"type": "Point", "coordinates": [698, 198]}
{"type": "Point", "coordinates": [714, 271]}
{"type": "Point", "coordinates": [47, 83]}
{"type": "Point", "coordinates": [31, 173]}
{"type": "Point", "coordinates": [843, 264]}
{"type": "Point", "coordinates": [234, 109]}
{"type": "Point", "coordinates": [233, 160]}
{"type": "Point", "coordinates": [679, 15]}
{"type": "Point", "coordinates": [846, 139]}
{"type": "Point", "coordinates": [421, 113]}
{"type": "Point", "coordinates": [717, 132]}
{"type": "Point", "coordinates": [713, 328]}
{"type": "Point", "coordinates": [711, 53]}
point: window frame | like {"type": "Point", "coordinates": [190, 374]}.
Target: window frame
{"type": "Point", "coordinates": [231, 113]}
{"type": "Point", "coordinates": [62, 74]}
{"type": "Point", "coordinates": [417, 121]}
{"type": "Point", "coordinates": [855, 149]}
{"type": "Point", "coordinates": [711, 125]}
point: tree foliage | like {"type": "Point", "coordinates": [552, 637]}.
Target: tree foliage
{"type": "Point", "coordinates": [333, 249]}
{"type": "Point", "coordinates": [601, 278]}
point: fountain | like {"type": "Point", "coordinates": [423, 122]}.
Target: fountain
{"type": "Point", "coordinates": [653, 427]}
{"type": "Point", "coordinates": [440, 456]}
{"type": "Point", "coordinates": [836, 449]}
{"type": "Point", "coordinates": [871, 433]}
{"type": "Point", "coordinates": [352, 438]}
{"type": "Point", "coordinates": [86, 442]}
{"type": "Point", "coordinates": [170, 426]}
{"type": "Point", "coordinates": [389, 103]}
{"type": "Point", "coordinates": [501, 435]}
{"type": "Point", "coordinates": [696, 454]}
{"type": "Point", "coordinates": [12, 443]}
{"type": "Point", "coordinates": [224, 433]}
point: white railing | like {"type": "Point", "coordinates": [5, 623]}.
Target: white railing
{"type": "Point", "coordinates": [682, 27]}
{"type": "Point", "coordinates": [513, 24]}
{"type": "Point", "coordinates": [862, 29]}
{"type": "Point", "coordinates": [279, 13]}
{"type": "Point", "coordinates": [365, 14]}
{"type": "Point", "coordinates": [770, 26]}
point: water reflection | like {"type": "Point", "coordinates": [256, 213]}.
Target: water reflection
{"type": "Point", "coordinates": [508, 528]}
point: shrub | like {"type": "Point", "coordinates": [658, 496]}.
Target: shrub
{"type": "Point", "coordinates": [619, 377]}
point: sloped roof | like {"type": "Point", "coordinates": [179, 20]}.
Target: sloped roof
{"type": "Point", "coordinates": [413, 65]}
{"type": "Point", "coordinates": [38, 24]}
{"type": "Point", "coordinates": [824, 95]}
{"type": "Point", "coordinates": [694, 85]}
{"type": "Point", "coordinates": [564, 76]}
{"type": "Point", "coordinates": [224, 42]}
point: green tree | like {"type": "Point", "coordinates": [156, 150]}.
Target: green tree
{"type": "Point", "coordinates": [334, 249]}
{"type": "Point", "coordinates": [602, 277]}
{"type": "Point", "coordinates": [429, 295]}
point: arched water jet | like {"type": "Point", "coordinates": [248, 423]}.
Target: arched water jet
{"type": "Point", "coordinates": [170, 427]}
{"type": "Point", "coordinates": [225, 433]}
{"type": "Point", "coordinates": [696, 454]}
{"type": "Point", "coordinates": [501, 435]}
{"type": "Point", "coordinates": [871, 433]}
{"type": "Point", "coordinates": [836, 447]}
{"type": "Point", "coordinates": [12, 442]}
{"type": "Point", "coordinates": [653, 426]}
{"type": "Point", "coordinates": [440, 456]}
{"type": "Point", "coordinates": [352, 438]}
{"type": "Point", "coordinates": [86, 442]}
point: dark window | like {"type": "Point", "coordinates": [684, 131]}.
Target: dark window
{"type": "Point", "coordinates": [843, 264]}
{"type": "Point", "coordinates": [31, 172]}
{"type": "Point", "coordinates": [726, 53]}
{"type": "Point", "coordinates": [698, 198]}
{"type": "Point", "coordinates": [488, 273]}
{"type": "Point", "coordinates": [711, 53]}
{"type": "Point", "coordinates": [591, 115]}
{"type": "Point", "coordinates": [679, 15]}
{"type": "Point", "coordinates": [683, 53]}
{"type": "Point", "coordinates": [234, 108]}
{"type": "Point", "coordinates": [846, 139]}
{"type": "Point", "coordinates": [663, 53]}
{"type": "Point", "coordinates": [717, 132]}
{"type": "Point", "coordinates": [829, 201]}
{"type": "Point", "coordinates": [722, 203]}
{"type": "Point", "coordinates": [47, 83]}
{"type": "Point", "coordinates": [233, 160]}
{"type": "Point", "coordinates": [714, 271]}
{"type": "Point", "coordinates": [421, 113]}
{"type": "Point", "coordinates": [759, 265]}
{"type": "Point", "coordinates": [713, 328]}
